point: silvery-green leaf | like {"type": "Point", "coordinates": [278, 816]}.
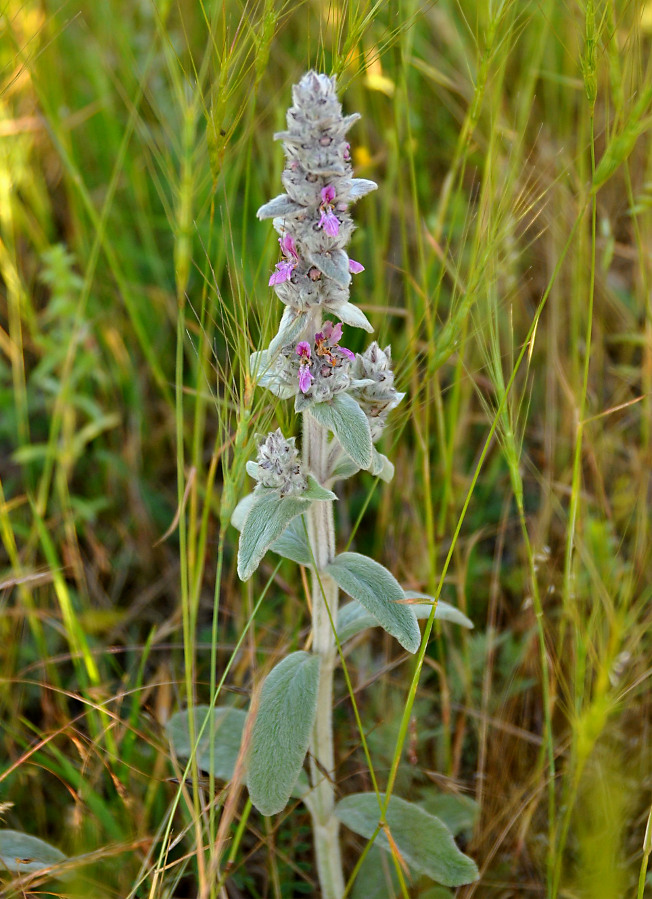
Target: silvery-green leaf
{"type": "Point", "coordinates": [301, 786]}
{"type": "Point", "coordinates": [376, 877]}
{"type": "Point", "coordinates": [228, 725]}
{"type": "Point", "coordinates": [281, 731]}
{"type": "Point", "coordinates": [345, 467]}
{"type": "Point", "coordinates": [379, 592]}
{"type": "Point", "coordinates": [262, 369]}
{"type": "Point", "coordinates": [353, 618]}
{"type": "Point", "coordinates": [459, 813]}
{"type": "Point", "coordinates": [381, 467]}
{"type": "Point", "coordinates": [343, 416]}
{"type": "Point", "coordinates": [349, 120]}
{"type": "Point", "coordinates": [282, 205]}
{"type": "Point", "coordinates": [268, 516]}
{"type": "Point", "coordinates": [351, 315]}
{"type": "Point", "coordinates": [334, 265]}
{"type": "Point", "coordinates": [21, 853]}
{"type": "Point", "coordinates": [445, 611]}
{"type": "Point", "coordinates": [258, 363]}
{"type": "Point", "coordinates": [302, 402]}
{"type": "Point", "coordinates": [292, 544]}
{"type": "Point", "coordinates": [425, 843]}
{"type": "Point", "coordinates": [241, 511]}
{"type": "Point", "coordinates": [252, 469]}
{"type": "Point", "coordinates": [360, 187]}
{"type": "Point", "coordinates": [291, 325]}
{"type": "Point", "coordinates": [316, 491]}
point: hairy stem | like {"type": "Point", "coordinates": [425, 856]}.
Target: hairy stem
{"type": "Point", "coordinates": [321, 533]}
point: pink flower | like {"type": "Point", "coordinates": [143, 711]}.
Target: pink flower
{"type": "Point", "coordinates": [285, 268]}
{"type": "Point", "coordinates": [328, 340]}
{"type": "Point", "coordinates": [330, 223]}
{"type": "Point", "coordinates": [354, 267]}
{"type": "Point", "coordinates": [283, 272]}
{"type": "Point", "coordinates": [302, 350]}
{"type": "Point", "coordinates": [305, 379]}
{"type": "Point", "coordinates": [328, 220]}
{"type": "Point", "coordinates": [327, 194]}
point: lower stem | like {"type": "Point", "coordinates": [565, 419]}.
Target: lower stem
{"type": "Point", "coordinates": [321, 533]}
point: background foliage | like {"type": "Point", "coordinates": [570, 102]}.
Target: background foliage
{"type": "Point", "coordinates": [508, 258]}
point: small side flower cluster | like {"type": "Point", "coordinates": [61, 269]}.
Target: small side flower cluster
{"type": "Point", "coordinates": [375, 391]}
{"type": "Point", "coordinates": [313, 217]}
{"type": "Point", "coordinates": [278, 465]}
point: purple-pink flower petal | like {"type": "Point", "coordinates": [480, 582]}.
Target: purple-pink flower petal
{"type": "Point", "coordinates": [354, 267]}
{"type": "Point", "coordinates": [336, 332]}
{"type": "Point", "coordinates": [283, 273]}
{"type": "Point", "coordinates": [347, 353]}
{"type": "Point", "coordinates": [288, 246]}
{"type": "Point", "coordinates": [303, 349]}
{"type": "Point", "coordinates": [330, 223]}
{"type": "Point", "coordinates": [327, 194]}
{"type": "Point", "coordinates": [305, 379]}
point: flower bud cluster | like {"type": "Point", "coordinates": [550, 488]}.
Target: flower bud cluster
{"type": "Point", "coordinates": [312, 218]}
{"type": "Point", "coordinates": [377, 396]}
{"type": "Point", "coordinates": [279, 466]}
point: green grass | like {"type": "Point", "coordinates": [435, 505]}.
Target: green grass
{"type": "Point", "coordinates": [507, 256]}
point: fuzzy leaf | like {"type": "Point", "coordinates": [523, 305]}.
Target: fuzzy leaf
{"type": "Point", "coordinates": [379, 592]}
{"type": "Point", "coordinates": [315, 491]}
{"type": "Point", "coordinates": [282, 205]}
{"type": "Point", "coordinates": [343, 416]}
{"type": "Point", "coordinates": [351, 315]}
{"type": "Point", "coordinates": [291, 325]}
{"type": "Point", "coordinates": [268, 516]}
{"type": "Point", "coordinates": [334, 265]}
{"type": "Point", "coordinates": [292, 543]}
{"type": "Point", "coordinates": [381, 467]}
{"type": "Point", "coordinates": [376, 877]}
{"type": "Point", "coordinates": [281, 731]}
{"type": "Point", "coordinates": [425, 843]}
{"type": "Point", "coordinates": [459, 813]}
{"type": "Point", "coordinates": [228, 725]}
{"type": "Point", "coordinates": [360, 187]}
{"type": "Point", "coordinates": [262, 369]}
{"type": "Point", "coordinates": [21, 853]}
{"type": "Point", "coordinates": [242, 510]}
{"type": "Point", "coordinates": [445, 611]}
{"type": "Point", "coordinates": [345, 467]}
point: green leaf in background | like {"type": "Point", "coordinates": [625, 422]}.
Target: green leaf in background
{"type": "Point", "coordinates": [425, 843]}
{"type": "Point", "coordinates": [445, 611]}
{"type": "Point", "coordinates": [459, 813]}
{"type": "Point", "coordinates": [22, 854]}
{"type": "Point", "coordinates": [281, 731]}
{"type": "Point", "coordinates": [343, 416]}
{"type": "Point", "coordinates": [228, 725]}
{"type": "Point", "coordinates": [268, 516]}
{"type": "Point", "coordinates": [374, 587]}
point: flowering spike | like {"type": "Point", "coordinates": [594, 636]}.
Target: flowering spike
{"type": "Point", "coordinates": [313, 217]}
